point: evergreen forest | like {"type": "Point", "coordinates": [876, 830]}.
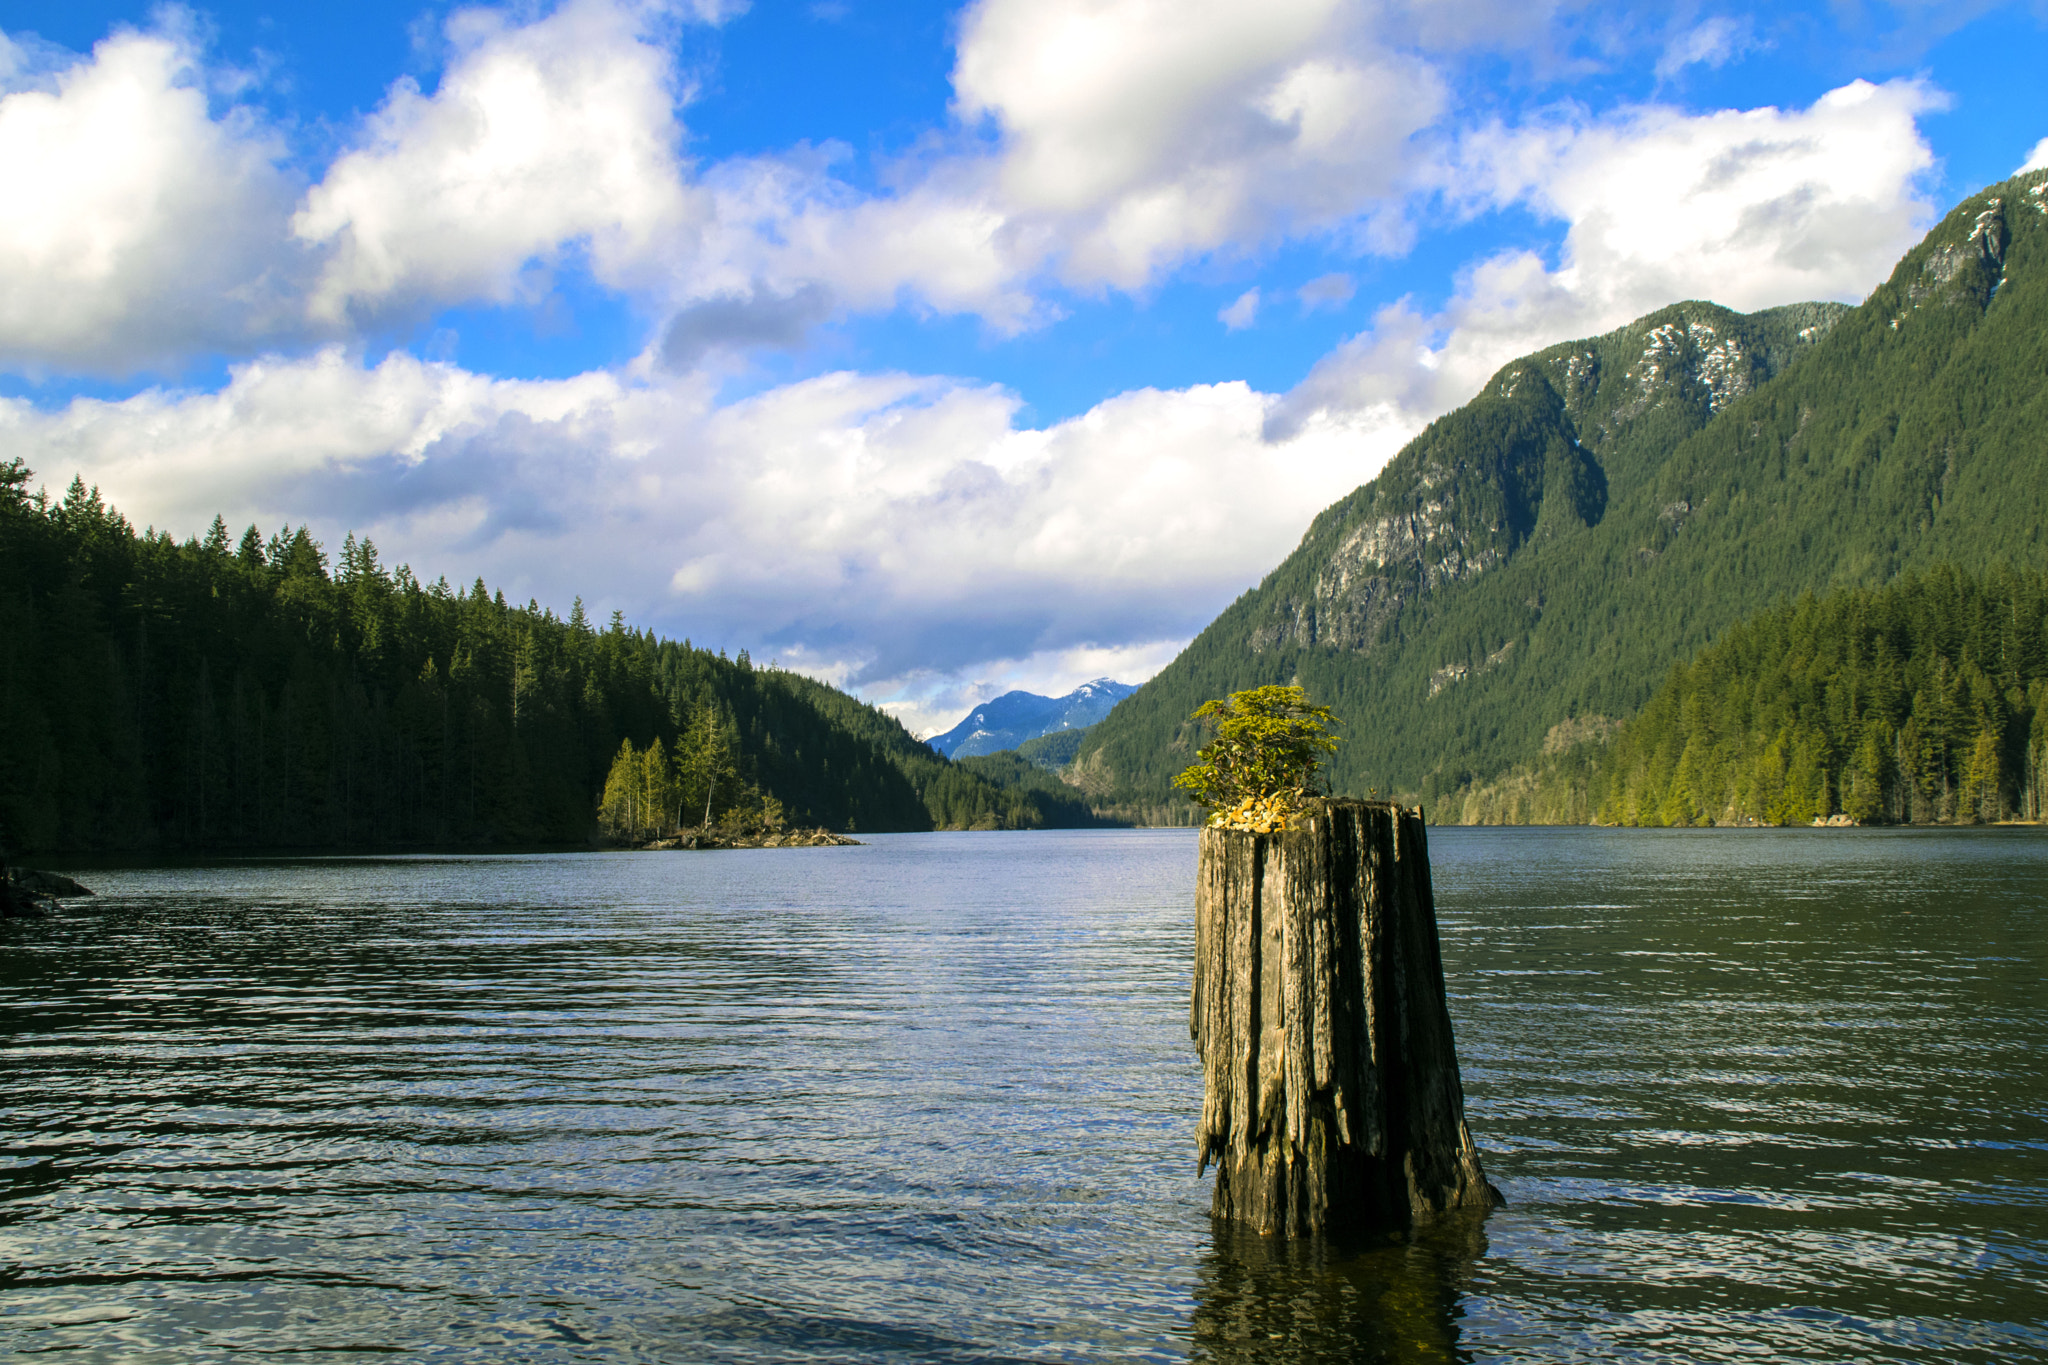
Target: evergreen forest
{"type": "Point", "coordinates": [222, 693]}
{"type": "Point", "coordinates": [1924, 701]}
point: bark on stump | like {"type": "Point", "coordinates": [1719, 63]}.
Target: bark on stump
{"type": "Point", "coordinates": [1332, 1099]}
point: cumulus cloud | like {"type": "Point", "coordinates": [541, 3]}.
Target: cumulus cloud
{"type": "Point", "coordinates": [1102, 144]}
{"type": "Point", "coordinates": [176, 457]}
{"type": "Point", "coordinates": [538, 137]}
{"type": "Point", "coordinates": [901, 533]}
{"type": "Point", "coordinates": [1098, 145]}
{"type": "Point", "coordinates": [1763, 205]}
{"type": "Point", "coordinates": [1748, 208]}
{"type": "Point", "coordinates": [2037, 160]}
{"type": "Point", "coordinates": [139, 227]}
{"type": "Point", "coordinates": [895, 528]}
{"type": "Point", "coordinates": [738, 322]}
{"type": "Point", "coordinates": [1148, 131]}
{"type": "Point", "coordinates": [145, 228]}
{"type": "Point", "coordinates": [780, 224]}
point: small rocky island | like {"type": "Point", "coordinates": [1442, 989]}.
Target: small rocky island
{"type": "Point", "coordinates": [701, 839]}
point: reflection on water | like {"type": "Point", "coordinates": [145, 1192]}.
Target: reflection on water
{"type": "Point", "coordinates": [1395, 1300]}
{"type": "Point", "coordinates": [1751, 1096]}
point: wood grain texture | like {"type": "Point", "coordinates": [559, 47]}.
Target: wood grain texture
{"type": "Point", "coordinates": [1330, 1076]}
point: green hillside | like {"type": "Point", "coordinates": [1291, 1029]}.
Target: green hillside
{"type": "Point", "coordinates": [1543, 556]}
{"type": "Point", "coordinates": [1055, 750]}
{"type": "Point", "coordinates": [1923, 701]}
{"type": "Point", "coordinates": [206, 695]}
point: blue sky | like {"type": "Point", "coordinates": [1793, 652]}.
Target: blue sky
{"type": "Point", "coordinates": [933, 349]}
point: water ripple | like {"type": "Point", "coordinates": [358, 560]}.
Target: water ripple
{"type": "Point", "coordinates": [1756, 1095]}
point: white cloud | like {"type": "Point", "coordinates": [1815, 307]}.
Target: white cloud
{"type": "Point", "coordinates": [1748, 208]}
{"type": "Point", "coordinates": [1128, 138]}
{"type": "Point", "coordinates": [138, 227]}
{"type": "Point", "coordinates": [1752, 207]}
{"type": "Point", "coordinates": [782, 224]}
{"type": "Point", "coordinates": [2037, 160]}
{"type": "Point", "coordinates": [1713, 43]}
{"type": "Point", "coordinates": [900, 532]}
{"type": "Point", "coordinates": [1241, 314]}
{"type": "Point", "coordinates": [897, 530]}
{"type": "Point", "coordinates": [558, 132]}
{"type": "Point", "coordinates": [1143, 132]}
{"type": "Point", "coordinates": [1125, 138]}
{"type": "Point", "coordinates": [1105, 143]}
{"type": "Point", "coordinates": [176, 457]}
{"type": "Point", "coordinates": [144, 230]}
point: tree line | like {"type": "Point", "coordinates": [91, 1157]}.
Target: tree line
{"type": "Point", "coordinates": [1925, 701]}
{"type": "Point", "coordinates": [249, 692]}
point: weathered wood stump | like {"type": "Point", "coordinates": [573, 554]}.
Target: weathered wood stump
{"type": "Point", "coordinates": [1332, 1099]}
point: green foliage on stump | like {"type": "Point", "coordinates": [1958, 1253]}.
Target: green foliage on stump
{"type": "Point", "coordinates": [1269, 744]}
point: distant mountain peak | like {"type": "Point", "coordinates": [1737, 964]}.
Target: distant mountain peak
{"type": "Point", "coordinates": [1005, 722]}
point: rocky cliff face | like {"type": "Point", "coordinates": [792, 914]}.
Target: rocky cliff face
{"type": "Point", "coordinates": [1965, 272]}
{"type": "Point", "coordinates": [1531, 457]}
{"type": "Point", "coordinates": [1604, 507]}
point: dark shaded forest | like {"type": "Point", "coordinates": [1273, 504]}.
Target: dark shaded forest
{"type": "Point", "coordinates": [219, 694]}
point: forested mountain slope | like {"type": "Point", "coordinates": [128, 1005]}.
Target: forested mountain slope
{"type": "Point", "coordinates": [1545, 554]}
{"type": "Point", "coordinates": [1923, 701]}
{"type": "Point", "coordinates": [206, 696]}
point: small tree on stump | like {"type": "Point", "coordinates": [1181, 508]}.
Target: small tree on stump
{"type": "Point", "coordinates": [1266, 758]}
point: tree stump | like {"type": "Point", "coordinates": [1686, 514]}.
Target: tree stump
{"type": "Point", "coordinates": [1331, 1092]}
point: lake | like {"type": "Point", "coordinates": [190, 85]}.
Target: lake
{"type": "Point", "coordinates": [1752, 1095]}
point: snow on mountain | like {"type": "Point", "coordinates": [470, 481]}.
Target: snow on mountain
{"type": "Point", "coordinates": [1014, 717]}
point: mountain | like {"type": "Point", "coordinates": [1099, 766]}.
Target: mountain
{"type": "Point", "coordinates": [1014, 717]}
{"type": "Point", "coordinates": [1532, 565]}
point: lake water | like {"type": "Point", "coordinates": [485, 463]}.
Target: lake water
{"type": "Point", "coordinates": [1752, 1095]}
